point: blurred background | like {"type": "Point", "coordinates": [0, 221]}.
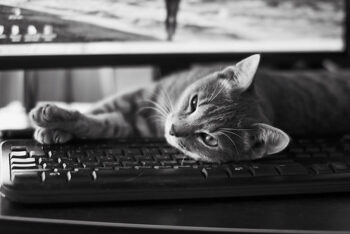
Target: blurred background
{"type": "Point", "coordinates": [72, 85]}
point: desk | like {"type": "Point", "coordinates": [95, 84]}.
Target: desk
{"type": "Point", "coordinates": [310, 214]}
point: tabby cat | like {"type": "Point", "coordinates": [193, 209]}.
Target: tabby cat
{"type": "Point", "coordinates": [212, 114]}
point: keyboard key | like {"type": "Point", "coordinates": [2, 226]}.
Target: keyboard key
{"type": "Point", "coordinates": [66, 160]}
{"type": "Point", "coordinates": [340, 167]}
{"type": "Point", "coordinates": [67, 166]}
{"type": "Point", "coordinates": [81, 176]}
{"type": "Point", "coordinates": [24, 166]}
{"type": "Point", "coordinates": [296, 150]}
{"type": "Point", "coordinates": [143, 158]}
{"type": "Point", "coordinates": [187, 162]}
{"type": "Point", "coordinates": [94, 153]}
{"type": "Point", "coordinates": [216, 173]}
{"type": "Point", "coordinates": [76, 154]}
{"type": "Point", "coordinates": [292, 169]}
{"type": "Point", "coordinates": [111, 164]}
{"type": "Point", "coordinates": [132, 152]}
{"type": "Point", "coordinates": [264, 170]}
{"type": "Point", "coordinates": [46, 160]}
{"type": "Point", "coordinates": [18, 148]}
{"type": "Point", "coordinates": [114, 152]}
{"type": "Point", "coordinates": [50, 165]}
{"type": "Point", "coordinates": [18, 154]}
{"type": "Point", "coordinates": [103, 169]}
{"type": "Point", "coordinates": [150, 151]}
{"type": "Point", "coordinates": [321, 169]}
{"type": "Point", "coordinates": [303, 156]}
{"type": "Point", "coordinates": [130, 164]}
{"type": "Point", "coordinates": [36, 154]}
{"type": "Point", "coordinates": [27, 178]}
{"type": "Point", "coordinates": [312, 149]}
{"type": "Point", "coordinates": [329, 149]}
{"type": "Point", "coordinates": [336, 154]}
{"type": "Point", "coordinates": [180, 156]}
{"type": "Point", "coordinates": [56, 154]}
{"type": "Point", "coordinates": [240, 171]}
{"type": "Point", "coordinates": [169, 163]}
{"type": "Point", "coordinates": [90, 164]}
{"type": "Point", "coordinates": [320, 155]}
{"type": "Point", "coordinates": [149, 163]}
{"type": "Point", "coordinates": [163, 157]}
{"type": "Point", "coordinates": [22, 160]}
{"type": "Point", "coordinates": [126, 158]}
{"type": "Point", "coordinates": [89, 159]}
{"type": "Point", "coordinates": [169, 151]}
{"type": "Point", "coordinates": [107, 158]}
{"type": "Point", "coordinates": [105, 175]}
{"type": "Point", "coordinates": [53, 177]}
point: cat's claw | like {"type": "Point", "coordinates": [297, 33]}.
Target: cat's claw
{"type": "Point", "coordinates": [51, 136]}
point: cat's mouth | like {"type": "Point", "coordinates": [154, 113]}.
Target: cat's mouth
{"type": "Point", "coordinates": [175, 142]}
{"type": "Point", "coordinates": [178, 144]}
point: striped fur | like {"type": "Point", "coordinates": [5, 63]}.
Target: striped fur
{"type": "Point", "coordinates": [232, 111]}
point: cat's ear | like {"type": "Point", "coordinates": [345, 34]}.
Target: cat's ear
{"type": "Point", "coordinates": [243, 72]}
{"type": "Point", "coordinates": [246, 70]}
{"type": "Point", "coordinates": [268, 140]}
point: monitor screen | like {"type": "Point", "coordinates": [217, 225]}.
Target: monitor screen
{"type": "Point", "coordinates": [107, 27]}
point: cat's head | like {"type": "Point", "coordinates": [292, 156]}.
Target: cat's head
{"type": "Point", "coordinates": [219, 118]}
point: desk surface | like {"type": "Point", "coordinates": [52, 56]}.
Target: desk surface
{"type": "Point", "coordinates": [263, 214]}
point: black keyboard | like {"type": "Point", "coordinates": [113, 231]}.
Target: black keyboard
{"type": "Point", "coordinates": [146, 169]}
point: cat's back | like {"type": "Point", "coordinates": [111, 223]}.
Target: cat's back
{"type": "Point", "coordinates": [304, 102]}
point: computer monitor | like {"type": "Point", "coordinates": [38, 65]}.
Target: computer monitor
{"type": "Point", "coordinates": [44, 33]}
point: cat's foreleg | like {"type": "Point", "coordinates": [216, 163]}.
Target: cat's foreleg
{"type": "Point", "coordinates": [58, 125]}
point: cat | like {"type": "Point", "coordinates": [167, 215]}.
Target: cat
{"type": "Point", "coordinates": [214, 114]}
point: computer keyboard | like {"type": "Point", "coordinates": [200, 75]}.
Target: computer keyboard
{"type": "Point", "coordinates": [148, 169]}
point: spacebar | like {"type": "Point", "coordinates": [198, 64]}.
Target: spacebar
{"type": "Point", "coordinates": [146, 175]}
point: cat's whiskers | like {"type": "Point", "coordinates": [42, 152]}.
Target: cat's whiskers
{"type": "Point", "coordinates": [230, 131]}
{"type": "Point", "coordinates": [157, 118]}
{"type": "Point", "coordinates": [209, 94]}
{"type": "Point", "coordinates": [239, 129]}
{"type": "Point", "coordinates": [169, 102]}
{"type": "Point", "coordinates": [159, 107]}
{"type": "Point", "coordinates": [217, 94]}
{"type": "Point", "coordinates": [234, 144]}
{"type": "Point", "coordinates": [161, 112]}
{"type": "Point", "coordinates": [213, 93]}
{"type": "Point", "coordinates": [162, 106]}
{"type": "Point", "coordinates": [226, 131]}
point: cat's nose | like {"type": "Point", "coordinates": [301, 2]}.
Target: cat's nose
{"type": "Point", "coordinates": [172, 130]}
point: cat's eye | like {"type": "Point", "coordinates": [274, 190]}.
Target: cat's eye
{"type": "Point", "coordinates": [209, 140]}
{"type": "Point", "coordinates": [193, 104]}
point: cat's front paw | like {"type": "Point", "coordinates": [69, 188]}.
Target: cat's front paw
{"type": "Point", "coordinates": [51, 116]}
{"type": "Point", "coordinates": [51, 136]}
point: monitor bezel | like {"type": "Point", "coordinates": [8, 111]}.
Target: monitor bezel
{"type": "Point", "coordinates": [71, 61]}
